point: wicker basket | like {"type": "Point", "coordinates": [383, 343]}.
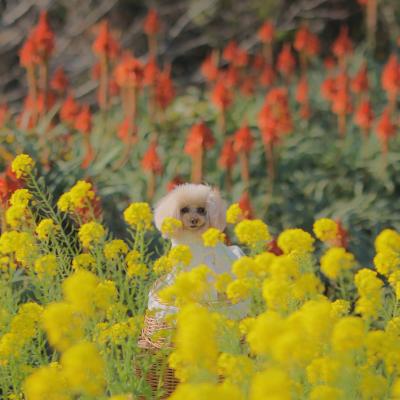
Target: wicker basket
{"type": "Point", "coordinates": [155, 340]}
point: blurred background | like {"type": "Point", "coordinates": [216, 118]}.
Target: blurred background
{"type": "Point", "coordinates": [190, 29]}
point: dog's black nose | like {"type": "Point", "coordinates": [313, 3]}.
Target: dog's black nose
{"type": "Point", "coordinates": [194, 220]}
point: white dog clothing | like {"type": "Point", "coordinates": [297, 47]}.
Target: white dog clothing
{"type": "Point", "coordinates": [219, 259]}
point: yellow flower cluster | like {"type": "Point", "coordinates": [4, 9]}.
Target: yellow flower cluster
{"type": "Point", "coordinates": [18, 213]}
{"type": "Point", "coordinates": [22, 165]}
{"type": "Point", "coordinates": [369, 288]}
{"type": "Point", "coordinates": [23, 327]}
{"type": "Point", "coordinates": [91, 234]}
{"type": "Point", "coordinates": [139, 216]}
{"type": "Point", "coordinates": [171, 226]}
{"type": "Point", "coordinates": [117, 333]}
{"type": "Point", "coordinates": [189, 286]}
{"type": "Point", "coordinates": [46, 266]}
{"type": "Point", "coordinates": [84, 261]}
{"type": "Point", "coordinates": [336, 261]}
{"type": "Point", "coordinates": [180, 255]}
{"type": "Point", "coordinates": [252, 232]}
{"type": "Point", "coordinates": [212, 236]}
{"type": "Point", "coordinates": [295, 241]}
{"type": "Point", "coordinates": [115, 248]}
{"type": "Point", "coordinates": [234, 214]}
{"type": "Point", "coordinates": [45, 228]}
{"type": "Point", "coordinates": [326, 229]}
{"type": "Point", "coordinates": [20, 245]}
{"type": "Point", "coordinates": [79, 196]}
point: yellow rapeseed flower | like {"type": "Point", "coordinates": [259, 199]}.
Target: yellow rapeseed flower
{"type": "Point", "coordinates": [115, 248]}
{"type": "Point", "coordinates": [234, 214]}
{"type": "Point", "coordinates": [325, 229]}
{"type": "Point", "coordinates": [45, 228]}
{"type": "Point", "coordinates": [84, 261]}
{"type": "Point", "coordinates": [170, 226]}
{"type": "Point", "coordinates": [252, 232]}
{"type": "Point", "coordinates": [238, 290]}
{"type": "Point", "coordinates": [335, 261]}
{"type": "Point", "coordinates": [212, 236]}
{"type": "Point", "coordinates": [139, 215]}
{"type": "Point", "coordinates": [46, 266]}
{"type": "Point", "coordinates": [180, 254]}
{"type": "Point", "coordinates": [22, 165]}
{"type": "Point", "coordinates": [388, 240]}
{"type": "Point", "coordinates": [81, 193]}
{"type": "Point", "coordinates": [84, 369]}
{"type": "Point", "coordinates": [272, 383]}
{"type": "Point", "coordinates": [47, 382]}
{"type": "Point", "coordinates": [91, 233]}
{"type": "Point", "coordinates": [348, 334]}
{"type": "Point", "coordinates": [20, 197]}
{"type": "Point", "coordinates": [295, 241]}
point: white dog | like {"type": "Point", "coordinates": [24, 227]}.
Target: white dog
{"type": "Point", "coordinates": [199, 207]}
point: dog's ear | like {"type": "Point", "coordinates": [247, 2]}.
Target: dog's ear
{"type": "Point", "coordinates": [166, 207]}
{"type": "Point", "coordinates": [216, 207]}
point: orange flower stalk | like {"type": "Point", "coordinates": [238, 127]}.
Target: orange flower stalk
{"type": "Point", "coordinates": [266, 34]}
{"type": "Point", "coordinates": [164, 89]}
{"type": "Point", "coordinates": [227, 159]}
{"type": "Point", "coordinates": [69, 110]}
{"type": "Point", "coordinates": [359, 84]}
{"type": "Point", "coordinates": [243, 143]}
{"type": "Point", "coordinates": [152, 164]}
{"type": "Point", "coordinates": [152, 28]}
{"type": "Point", "coordinates": [342, 46]}
{"type": "Point", "coordinates": [302, 97]}
{"type": "Point", "coordinates": [222, 98]}
{"type": "Point", "coordinates": [390, 81]}
{"type": "Point", "coordinates": [364, 117]}
{"type": "Point", "coordinates": [385, 129]}
{"type": "Point", "coordinates": [59, 81]}
{"type": "Point", "coordinates": [83, 124]}
{"type": "Point", "coordinates": [267, 76]}
{"type": "Point", "coordinates": [230, 51]}
{"type": "Point", "coordinates": [245, 204]}
{"type": "Point", "coordinates": [200, 138]}
{"type": "Point", "coordinates": [307, 44]}
{"type": "Point", "coordinates": [274, 121]}
{"type": "Point", "coordinates": [106, 48]}
{"type": "Point", "coordinates": [173, 183]}
{"type": "Point", "coordinates": [286, 62]}
{"type": "Point", "coordinates": [341, 102]}
{"type": "Point", "coordinates": [209, 67]}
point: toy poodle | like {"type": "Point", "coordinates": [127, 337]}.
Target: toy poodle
{"type": "Point", "coordinates": [198, 207]}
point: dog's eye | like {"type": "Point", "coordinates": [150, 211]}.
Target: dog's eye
{"type": "Point", "coordinates": [184, 210]}
{"type": "Point", "coordinates": [201, 211]}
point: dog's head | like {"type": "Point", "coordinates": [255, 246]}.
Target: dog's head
{"type": "Point", "coordinates": [199, 207]}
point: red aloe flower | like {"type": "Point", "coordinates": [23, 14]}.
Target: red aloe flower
{"type": "Point", "coordinates": [230, 51]}
{"type": "Point", "coordinates": [43, 37]}
{"type": "Point", "coordinates": [286, 62]}
{"type": "Point", "coordinates": [302, 97]}
{"type": "Point", "coordinates": [266, 33]}
{"type": "Point", "coordinates": [258, 62]}
{"type": "Point", "coordinates": [150, 72]}
{"type": "Point", "coordinates": [364, 116]}
{"type": "Point", "coordinates": [390, 80]}
{"type": "Point", "coordinates": [247, 87]}
{"type": "Point", "coordinates": [151, 23]}
{"type": "Point", "coordinates": [28, 55]}
{"type": "Point", "coordinates": [243, 139]}
{"type": "Point", "coordinates": [306, 42]}
{"type": "Point", "coordinates": [342, 46]}
{"type": "Point", "coordinates": [129, 72]}
{"type": "Point", "coordinates": [105, 45]}
{"type": "Point", "coordinates": [328, 88]}
{"type": "Point", "coordinates": [267, 76]}
{"type": "Point", "coordinates": [83, 121]}
{"type": "Point", "coordinates": [69, 110]}
{"type": "Point", "coordinates": [245, 205]}
{"type": "Point", "coordinates": [329, 63]}
{"type": "Point", "coordinates": [164, 89]}
{"type": "Point", "coordinates": [8, 185]}
{"type": "Point", "coordinates": [241, 59]}
{"type": "Point", "coordinates": [200, 136]}
{"type": "Point", "coordinates": [173, 183]}
{"type": "Point", "coordinates": [199, 139]}
{"type": "Point", "coordinates": [222, 96]}
{"type": "Point", "coordinates": [359, 83]}
{"type": "Point", "coordinates": [4, 114]}
{"type": "Point", "coordinates": [209, 67]}
{"type": "Point", "coordinates": [385, 129]}
{"type": "Point", "coordinates": [151, 161]}
{"type": "Point", "coordinates": [59, 82]}
{"type": "Point", "coordinates": [126, 131]}
{"type": "Point", "coordinates": [227, 157]}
